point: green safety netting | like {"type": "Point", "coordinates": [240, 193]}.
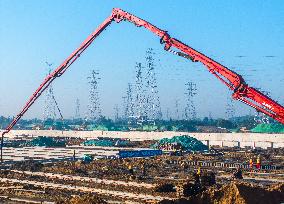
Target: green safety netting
{"type": "Point", "coordinates": [106, 142]}
{"type": "Point", "coordinates": [149, 128]}
{"type": "Point", "coordinates": [268, 128]}
{"type": "Point", "coordinates": [87, 158]}
{"type": "Point", "coordinates": [97, 127]}
{"type": "Point", "coordinates": [45, 141]}
{"type": "Point", "coordinates": [187, 143]}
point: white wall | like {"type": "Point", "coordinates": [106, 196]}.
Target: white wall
{"type": "Point", "coordinates": [227, 139]}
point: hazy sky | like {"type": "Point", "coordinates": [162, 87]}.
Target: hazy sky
{"type": "Point", "coordinates": [33, 32]}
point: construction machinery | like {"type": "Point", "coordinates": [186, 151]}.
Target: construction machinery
{"type": "Point", "coordinates": [235, 82]}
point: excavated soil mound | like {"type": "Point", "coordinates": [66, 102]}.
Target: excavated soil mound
{"type": "Point", "coordinates": [165, 188]}
{"type": "Point", "coordinates": [85, 199]}
{"type": "Point", "coordinates": [277, 187]}
{"type": "Point", "coordinates": [27, 165]}
{"type": "Point", "coordinates": [236, 193]}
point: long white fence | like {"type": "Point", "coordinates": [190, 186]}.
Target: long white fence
{"type": "Point", "coordinates": [221, 139]}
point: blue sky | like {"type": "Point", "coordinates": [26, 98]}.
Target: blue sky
{"type": "Point", "coordinates": [33, 32]}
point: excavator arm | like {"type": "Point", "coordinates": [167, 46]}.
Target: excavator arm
{"type": "Point", "coordinates": [241, 91]}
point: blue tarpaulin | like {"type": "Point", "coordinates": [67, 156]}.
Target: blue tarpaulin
{"type": "Point", "coordinates": [139, 153]}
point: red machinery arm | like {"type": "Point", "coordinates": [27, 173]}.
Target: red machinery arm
{"type": "Point", "coordinates": [241, 91]}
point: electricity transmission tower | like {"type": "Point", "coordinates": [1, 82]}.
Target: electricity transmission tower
{"type": "Point", "coordinates": [190, 110]}
{"type": "Point", "coordinates": [139, 100]}
{"type": "Point", "coordinates": [77, 109]}
{"type": "Point", "coordinates": [168, 114]}
{"type": "Point", "coordinates": [153, 106]}
{"type": "Point", "coordinates": [129, 104]}
{"type": "Point", "coordinates": [49, 102]}
{"type": "Point", "coordinates": [116, 112]}
{"type": "Point", "coordinates": [94, 107]}
{"type": "Point", "coordinates": [177, 114]}
{"type": "Point", "coordinates": [124, 108]}
{"type": "Point", "coordinates": [261, 118]}
{"type": "Point", "coordinates": [230, 109]}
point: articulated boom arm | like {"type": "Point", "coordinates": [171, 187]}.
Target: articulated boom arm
{"type": "Point", "coordinates": [241, 91]}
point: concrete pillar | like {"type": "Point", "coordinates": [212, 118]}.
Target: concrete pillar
{"type": "Point", "coordinates": [239, 144]}
{"type": "Point", "coordinates": [207, 143]}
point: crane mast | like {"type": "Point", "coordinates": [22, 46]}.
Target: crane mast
{"type": "Point", "coordinates": [235, 82]}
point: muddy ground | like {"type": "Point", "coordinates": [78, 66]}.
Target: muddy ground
{"type": "Point", "coordinates": [160, 179]}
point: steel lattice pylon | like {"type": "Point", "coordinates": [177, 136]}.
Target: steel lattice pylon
{"type": "Point", "coordinates": [190, 110]}
{"type": "Point", "coordinates": [49, 103]}
{"type": "Point", "coordinates": [94, 107]}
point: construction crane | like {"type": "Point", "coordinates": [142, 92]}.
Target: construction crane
{"type": "Point", "coordinates": [235, 82]}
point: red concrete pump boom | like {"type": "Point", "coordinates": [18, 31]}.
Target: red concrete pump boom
{"type": "Point", "coordinates": [235, 82]}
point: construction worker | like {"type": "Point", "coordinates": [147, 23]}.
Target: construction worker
{"type": "Point", "coordinates": [258, 164]}
{"type": "Point", "coordinates": [130, 169]}
{"type": "Point", "coordinates": [198, 171]}
{"type": "Point", "coordinates": [196, 176]}
{"type": "Point", "coordinates": [74, 155]}
{"type": "Point", "coordinates": [183, 166]}
{"type": "Point", "coordinates": [250, 163]}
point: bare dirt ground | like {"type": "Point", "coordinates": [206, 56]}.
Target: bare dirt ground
{"type": "Point", "coordinates": [160, 179]}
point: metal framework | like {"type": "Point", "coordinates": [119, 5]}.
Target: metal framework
{"type": "Point", "coordinates": [94, 107]}
{"type": "Point", "coordinates": [77, 109]}
{"type": "Point", "coordinates": [153, 105]}
{"type": "Point", "coordinates": [235, 82]}
{"type": "Point", "coordinates": [190, 110]}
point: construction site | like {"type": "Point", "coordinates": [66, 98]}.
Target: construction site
{"type": "Point", "coordinates": [147, 150]}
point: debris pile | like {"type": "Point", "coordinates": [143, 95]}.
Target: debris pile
{"type": "Point", "coordinates": [186, 142]}
{"type": "Point", "coordinates": [237, 193]}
